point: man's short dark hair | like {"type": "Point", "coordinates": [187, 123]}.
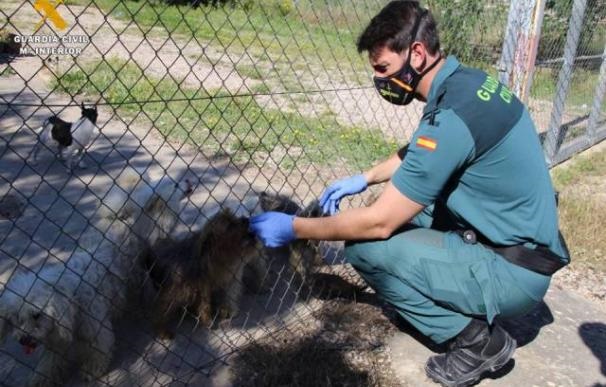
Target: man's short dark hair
{"type": "Point", "coordinates": [392, 27]}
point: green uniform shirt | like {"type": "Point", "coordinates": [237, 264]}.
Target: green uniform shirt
{"type": "Point", "coordinates": [477, 150]}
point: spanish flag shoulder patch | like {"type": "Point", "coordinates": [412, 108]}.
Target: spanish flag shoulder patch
{"type": "Point", "coordinates": [427, 143]}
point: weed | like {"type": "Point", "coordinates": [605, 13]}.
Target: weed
{"type": "Point", "coordinates": [7, 71]}
{"type": "Point", "coordinates": [582, 208]}
{"type": "Point", "coordinates": [249, 71]}
{"type": "Point", "coordinates": [580, 94]}
{"type": "Point", "coordinates": [579, 168]}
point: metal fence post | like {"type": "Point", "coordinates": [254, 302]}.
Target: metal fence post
{"type": "Point", "coordinates": [509, 43]}
{"type": "Point", "coordinates": [527, 61]}
{"type": "Point", "coordinates": [597, 101]}
{"type": "Point", "coordinates": [572, 41]}
{"type": "Point", "coordinates": [520, 45]}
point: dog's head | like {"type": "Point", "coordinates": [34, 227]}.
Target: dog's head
{"type": "Point", "coordinates": [280, 203]}
{"type": "Point", "coordinates": [89, 112]}
{"type": "Point", "coordinates": [162, 204]}
{"type": "Point", "coordinates": [34, 313]}
{"type": "Point", "coordinates": [312, 210]}
{"type": "Point", "coordinates": [149, 208]}
{"type": "Point", "coordinates": [227, 237]}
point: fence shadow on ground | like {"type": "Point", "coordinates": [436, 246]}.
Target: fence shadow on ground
{"type": "Point", "coordinates": [59, 204]}
{"type": "Point", "coordinates": [298, 364]}
{"type": "Point", "coordinates": [328, 349]}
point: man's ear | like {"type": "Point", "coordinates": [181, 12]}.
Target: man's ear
{"type": "Point", "coordinates": [418, 56]}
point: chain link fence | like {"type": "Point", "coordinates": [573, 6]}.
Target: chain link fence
{"type": "Point", "coordinates": [231, 103]}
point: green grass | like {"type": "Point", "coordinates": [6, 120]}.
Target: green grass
{"type": "Point", "coordinates": [582, 86]}
{"type": "Point", "coordinates": [216, 121]}
{"type": "Point", "coordinates": [580, 168]}
{"type": "Point", "coordinates": [583, 208]}
{"type": "Point", "coordinates": [7, 71]}
{"type": "Point", "coordinates": [249, 71]}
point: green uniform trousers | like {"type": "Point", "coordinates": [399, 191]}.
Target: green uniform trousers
{"type": "Point", "coordinates": [436, 281]}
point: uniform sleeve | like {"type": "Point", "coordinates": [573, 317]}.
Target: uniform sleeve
{"type": "Point", "coordinates": [435, 153]}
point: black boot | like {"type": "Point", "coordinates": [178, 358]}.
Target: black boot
{"type": "Point", "coordinates": [477, 349]}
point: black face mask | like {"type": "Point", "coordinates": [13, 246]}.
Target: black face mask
{"type": "Point", "coordinates": [399, 88]}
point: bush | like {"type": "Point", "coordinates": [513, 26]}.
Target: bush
{"type": "Point", "coordinates": [246, 5]}
{"type": "Point", "coordinates": [284, 7]}
{"type": "Point", "coordinates": [197, 3]}
{"type": "Point", "coordinates": [458, 22]}
{"type": "Point", "coordinates": [556, 23]}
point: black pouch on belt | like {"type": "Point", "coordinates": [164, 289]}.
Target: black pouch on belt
{"type": "Point", "coordinates": [540, 260]}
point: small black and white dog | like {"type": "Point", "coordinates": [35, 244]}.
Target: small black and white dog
{"type": "Point", "coordinates": [70, 138]}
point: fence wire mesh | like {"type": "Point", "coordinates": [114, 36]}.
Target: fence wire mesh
{"type": "Point", "coordinates": [568, 76]}
{"type": "Point", "coordinates": [200, 107]}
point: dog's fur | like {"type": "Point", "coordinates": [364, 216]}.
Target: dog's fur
{"type": "Point", "coordinates": [71, 307]}
{"type": "Point", "coordinates": [69, 139]}
{"type": "Point", "coordinates": [304, 256]}
{"type": "Point", "coordinates": [203, 273]}
{"type": "Point", "coordinates": [8, 45]}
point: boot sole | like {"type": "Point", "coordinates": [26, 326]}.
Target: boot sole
{"type": "Point", "coordinates": [492, 365]}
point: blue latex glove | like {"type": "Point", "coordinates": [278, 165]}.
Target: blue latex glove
{"type": "Point", "coordinates": [274, 229]}
{"type": "Point", "coordinates": [330, 199]}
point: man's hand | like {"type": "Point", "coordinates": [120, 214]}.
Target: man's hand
{"type": "Point", "coordinates": [330, 199]}
{"type": "Point", "coordinates": [274, 229]}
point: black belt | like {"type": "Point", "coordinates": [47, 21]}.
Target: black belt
{"type": "Point", "coordinates": [540, 260]}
